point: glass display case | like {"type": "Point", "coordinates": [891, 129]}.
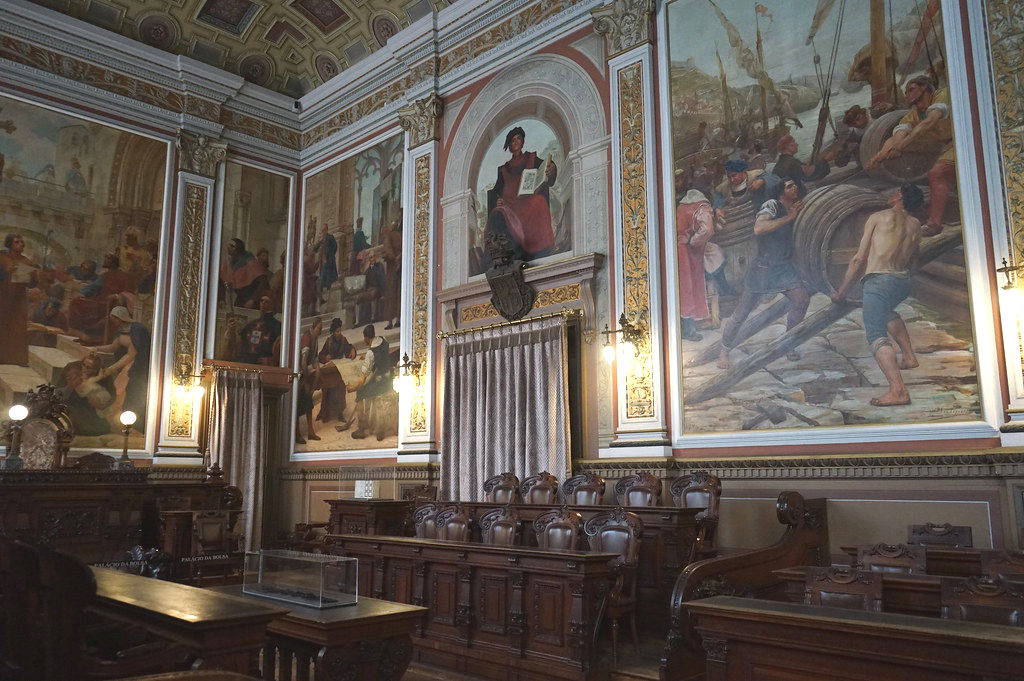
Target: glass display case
{"type": "Point", "coordinates": [313, 580]}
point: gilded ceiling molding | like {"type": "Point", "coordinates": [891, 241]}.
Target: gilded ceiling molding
{"type": "Point", "coordinates": [189, 302]}
{"type": "Point", "coordinates": [625, 24]}
{"type": "Point", "coordinates": [422, 119]}
{"type": "Point", "coordinates": [422, 198]}
{"type": "Point", "coordinates": [199, 154]}
{"type": "Point", "coordinates": [635, 266]}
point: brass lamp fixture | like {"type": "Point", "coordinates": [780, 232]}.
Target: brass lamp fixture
{"type": "Point", "coordinates": [632, 338]}
{"type": "Point", "coordinates": [408, 374]}
{"type": "Point", "coordinates": [17, 413]}
{"type": "Point", "coordinates": [128, 419]}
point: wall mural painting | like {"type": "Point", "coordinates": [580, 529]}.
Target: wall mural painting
{"type": "Point", "coordinates": [81, 208]}
{"type": "Point", "coordinates": [252, 275]}
{"type": "Point", "coordinates": [351, 303]}
{"type": "Point", "coordinates": [820, 263]}
{"type": "Point", "coordinates": [523, 195]}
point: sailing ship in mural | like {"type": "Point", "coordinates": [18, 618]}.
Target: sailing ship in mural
{"type": "Point", "coordinates": [818, 239]}
{"type": "Point", "coordinates": [81, 210]}
{"type": "Point", "coordinates": [351, 303]}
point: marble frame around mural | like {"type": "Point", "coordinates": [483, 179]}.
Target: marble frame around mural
{"type": "Point", "coordinates": [978, 276]}
{"type": "Point", "coordinates": [157, 348]}
{"type": "Point", "coordinates": [216, 235]}
{"type": "Point", "coordinates": [299, 237]}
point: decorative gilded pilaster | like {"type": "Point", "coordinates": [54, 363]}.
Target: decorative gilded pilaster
{"type": "Point", "coordinates": [642, 423]}
{"type": "Point", "coordinates": [625, 24]}
{"type": "Point", "coordinates": [421, 120]}
{"type": "Point", "coordinates": [198, 161]}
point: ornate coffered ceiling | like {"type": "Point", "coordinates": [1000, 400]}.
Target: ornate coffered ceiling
{"type": "Point", "coordinates": [286, 45]}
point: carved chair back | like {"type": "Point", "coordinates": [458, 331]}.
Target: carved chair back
{"type": "Point", "coordinates": [424, 519]}
{"type": "Point", "coordinates": [891, 558]}
{"type": "Point", "coordinates": [541, 488]}
{"type": "Point", "coordinates": [700, 489]}
{"type": "Point", "coordinates": [420, 494]}
{"type": "Point", "coordinates": [213, 532]}
{"type": "Point", "coordinates": [500, 527]}
{"type": "Point", "coordinates": [640, 489]}
{"type": "Point", "coordinates": [559, 529]}
{"type": "Point", "coordinates": [945, 535]}
{"type": "Point", "coordinates": [453, 524]}
{"type": "Point", "coordinates": [503, 488]}
{"type": "Point", "coordinates": [95, 461]}
{"type": "Point", "coordinates": [1006, 564]}
{"type": "Point", "coordinates": [983, 599]}
{"type": "Point", "coordinates": [585, 489]}
{"type": "Point", "coordinates": [841, 586]}
{"type": "Point", "coordinates": [618, 531]}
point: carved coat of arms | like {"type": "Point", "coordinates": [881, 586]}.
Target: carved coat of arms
{"type": "Point", "coordinates": [511, 296]}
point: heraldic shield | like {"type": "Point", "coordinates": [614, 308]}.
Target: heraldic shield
{"type": "Point", "coordinates": [511, 296]}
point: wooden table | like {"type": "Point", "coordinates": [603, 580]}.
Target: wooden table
{"type": "Point", "coordinates": [746, 638]}
{"type": "Point", "coordinates": [363, 642]}
{"type": "Point", "coordinates": [224, 632]}
{"type": "Point", "coordinates": [496, 612]}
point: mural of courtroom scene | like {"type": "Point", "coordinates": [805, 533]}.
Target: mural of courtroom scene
{"type": "Point", "coordinates": [80, 217]}
{"type": "Point", "coordinates": [523, 194]}
{"type": "Point", "coordinates": [351, 303]}
{"type": "Point", "coordinates": [818, 239]}
{"type": "Point", "coordinates": [253, 266]}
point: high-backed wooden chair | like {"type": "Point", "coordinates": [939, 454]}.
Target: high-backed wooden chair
{"type": "Point", "coordinates": [945, 535]}
{"type": "Point", "coordinates": [892, 558]}
{"type": "Point", "coordinates": [1006, 564]}
{"type": "Point", "coordinates": [424, 520]}
{"type": "Point", "coordinates": [500, 526]}
{"type": "Point", "coordinates": [559, 529]}
{"type": "Point", "coordinates": [453, 524]}
{"type": "Point", "coordinates": [700, 489]}
{"type": "Point", "coordinates": [541, 488]}
{"type": "Point", "coordinates": [618, 531]}
{"type": "Point", "coordinates": [585, 489]}
{"type": "Point", "coordinates": [983, 599]}
{"type": "Point", "coordinates": [503, 488]}
{"type": "Point", "coordinates": [420, 494]}
{"type": "Point", "coordinates": [841, 586]}
{"type": "Point", "coordinates": [213, 535]}
{"type": "Point", "coordinates": [640, 489]}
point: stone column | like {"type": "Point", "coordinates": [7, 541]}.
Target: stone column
{"type": "Point", "coordinates": [417, 433]}
{"type": "Point", "coordinates": [642, 423]}
{"type": "Point", "coordinates": [199, 159]}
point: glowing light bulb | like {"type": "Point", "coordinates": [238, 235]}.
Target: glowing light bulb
{"type": "Point", "coordinates": [608, 351]}
{"type": "Point", "coordinates": [18, 412]}
{"type": "Point", "coordinates": [128, 418]}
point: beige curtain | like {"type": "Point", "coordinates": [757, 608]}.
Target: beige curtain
{"type": "Point", "coordinates": [505, 405]}
{"type": "Point", "coordinates": [236, 442]}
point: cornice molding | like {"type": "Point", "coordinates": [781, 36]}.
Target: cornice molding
{"type": "Point", "coordinates": [423, 471]}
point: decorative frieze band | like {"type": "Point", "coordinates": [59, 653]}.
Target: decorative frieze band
{"type": "Point", "coordinates": [414, 472]}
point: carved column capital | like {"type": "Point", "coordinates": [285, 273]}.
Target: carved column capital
{"type": "Point", "coordinates": [422, 119]}
{"type": "Point", "coordinates": [624, 24]}
{"type": "Point", "coordinates": [199, 154]}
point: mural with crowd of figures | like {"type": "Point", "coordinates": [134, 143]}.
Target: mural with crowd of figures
{"type": "Point", "coordinates": [81, 208]}
{"type": "Point", "coordinates": [253, 271]}
{"type": "Point", "coordinates": [817, 237]}
{"type": "Point", "coordinates": [351, 303]}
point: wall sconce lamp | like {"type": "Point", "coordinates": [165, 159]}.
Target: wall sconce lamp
{"type": "Point", "coordinates": [1010, 272]}
{"type": "Point", "coordinates": [17, 413]}
{"type": "Point", "coordinates": [631, 339]}
{"type": "Point", "coordinates": [408, 374]}
{"type": "Point", "coordinates": [128, 419]}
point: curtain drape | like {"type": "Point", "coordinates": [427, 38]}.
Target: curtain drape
{"type": "Point", "coordinates": [505, 405]}
{"type": "Point", "coordinates": [236, 441]}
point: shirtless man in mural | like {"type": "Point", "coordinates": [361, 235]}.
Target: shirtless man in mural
{"type": "Point", "coordinates": [883, 260]}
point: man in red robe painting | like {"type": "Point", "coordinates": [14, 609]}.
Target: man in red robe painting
{"type": "Point", "coordinates": [695, 223]}
{"type": "Point", "coordinates": [526, 217]}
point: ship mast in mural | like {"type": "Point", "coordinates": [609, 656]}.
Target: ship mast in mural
{"type": "Point", "coordinates": [846, 115]}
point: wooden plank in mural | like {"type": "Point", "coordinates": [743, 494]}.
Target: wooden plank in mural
{"type": "Point", "coordinates": [351, 303]}
{"type": "Point", "coordinates": [81, 209]}
{"type": "Point", "coordinates": [816, 193]}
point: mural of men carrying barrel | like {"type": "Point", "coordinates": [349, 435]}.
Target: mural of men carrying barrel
{"type": "Point", "coordinates": [844, 300]}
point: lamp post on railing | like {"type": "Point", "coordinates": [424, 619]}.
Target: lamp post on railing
{"type": "Point", "coordinates": [128, 419]}
{"type": "Point", "coordinates": [13, 462]}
